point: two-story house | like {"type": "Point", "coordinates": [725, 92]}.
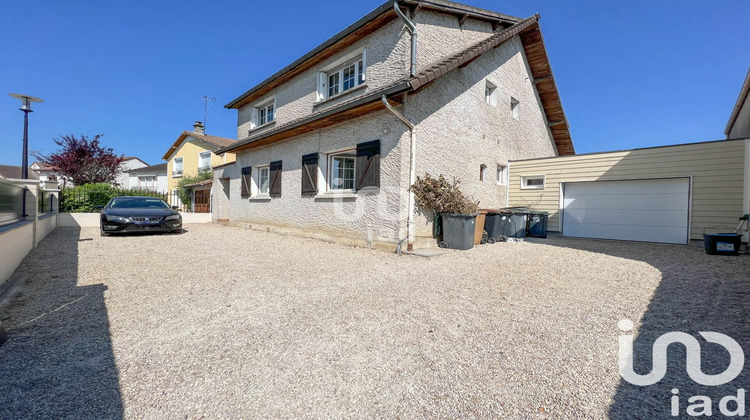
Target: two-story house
{"type": "Point", "coordinates": [329, 145]}
{"type": "Point", "coordinates": [192, 152]}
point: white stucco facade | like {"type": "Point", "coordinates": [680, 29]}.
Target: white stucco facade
{"type": "Point", "coordinates": [457, 132]}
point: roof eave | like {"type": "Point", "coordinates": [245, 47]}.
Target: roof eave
{"type": "Point", "coordinates": [741, 99]}
{"type": "Point", "coordinates": [364, 100]}
{"type": "Point", "coordinates": [387, 7]}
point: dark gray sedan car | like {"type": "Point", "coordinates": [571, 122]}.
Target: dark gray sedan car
{"type": "Point", "coordinates": [139, 214]}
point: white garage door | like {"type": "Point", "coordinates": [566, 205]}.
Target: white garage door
{"type": "Point", "coordinates": [654, 210]}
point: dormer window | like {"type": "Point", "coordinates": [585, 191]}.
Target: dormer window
{"type": "Point", "coordinates": [342, 75]}
{"type": "Point", "coordinates": [263, 114]}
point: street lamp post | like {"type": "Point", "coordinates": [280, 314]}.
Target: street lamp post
{"type": "Point", "coordinates": [26, 101]}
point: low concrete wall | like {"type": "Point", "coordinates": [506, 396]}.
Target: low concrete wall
{"type": "Point", "coordinates": [45, 225]}
{"type": "Point", "coordinates": [15, 242]}
{"type": "Point", "coordinates": [78, 220]}
{"type": "Point", "coordinates": [92, 219]}
{"type": "Point", "coordinates": [188, 218]}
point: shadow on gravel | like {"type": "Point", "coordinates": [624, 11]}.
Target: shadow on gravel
{"type": "Point", "coordinates": [698, 292]}
{"type": "Point", "coordinates": [58, 361]}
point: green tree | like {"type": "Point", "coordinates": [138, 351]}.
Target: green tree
{"type": "Point", "coordinates": [186, 193]}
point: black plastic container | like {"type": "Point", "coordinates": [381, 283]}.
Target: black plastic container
{"type": "Point", "coordinates": [722, 243]}
{"type": "Point", "coordinates": [538, 224]}
{"type": "Point", "coordinates": [458, 230]}
{"type": "Point", "coordinates": [497, 226]}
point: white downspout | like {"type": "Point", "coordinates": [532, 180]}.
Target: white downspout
{"type": "Point", "coordinates": [413, 31]}
{"type": "Point", "coordinates": [412, 172]}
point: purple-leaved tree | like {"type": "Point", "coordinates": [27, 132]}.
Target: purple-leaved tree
{"type": "Point", "coordinates": [83, 160]}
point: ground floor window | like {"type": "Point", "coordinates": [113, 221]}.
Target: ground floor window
{"type": "Point", "coordinates": [342, 171]}
{"type": "Point", "coordinates": [263, 180]}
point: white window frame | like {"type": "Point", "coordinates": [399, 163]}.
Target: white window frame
{"type": "Point", "coordinates": [515, 108]}
{"type": "Point", "coordinates": [327, 170]}
{"type": "Point", "coordinates": [525, 186]}
{"type": "Point", "coordinates": [261, 108]}
{"type": "Point", "coordinates": [502, 174]}
{"type": "Point", "coordinates": [200, 160]}
{"type": "Point", "coordinates": [358, 59]}
{"type": "Point", "coordinates": [256, 187]}
{"type": "Point", "coordinates": [175, 172]}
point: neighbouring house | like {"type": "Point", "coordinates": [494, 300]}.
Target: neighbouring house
{"type": "Point", "coordinates": [49, 173]}
{"type": "Point", "coordinates": [128, 163]}
{"type": "Point", "coordinates": [152, 178]}
{"type": "Point", "coordinates": [14, 172]}
{"type": "Point", "coordinates": [659, 194]}
{"type": "Point", "coordinates": [329, 145]}
{"type": "Point", "coordinates": [192, 152]}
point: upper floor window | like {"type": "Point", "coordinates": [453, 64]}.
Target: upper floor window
{"type": "Point", "coordinates": [177, 167]}
{"type": "Point", "coordinates": [263, 113]}
{"type": "Point", "coordinates": [515, 107]}
{"type": "Point", "coordinates": [342, 76]}
{"type": "Point", "coordinates": [490, 93]}
{"type": "Point", "coordinates": [204, 161]}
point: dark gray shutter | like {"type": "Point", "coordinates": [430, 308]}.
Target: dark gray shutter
{"type": "Point", "coordinates": [275, 179]}
{"type": "Point", "coordinates": [247, 173]}
{"type": "Point", "coordinates": [368, 165]}
{"type": "Point", "coordinates": [310, 174]}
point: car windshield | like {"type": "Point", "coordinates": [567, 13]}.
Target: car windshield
{"type": "Point", "coordinates": [138, 203]}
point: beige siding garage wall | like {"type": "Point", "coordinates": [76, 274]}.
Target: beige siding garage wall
{"type": "Point", "coordinates": [717, 169]}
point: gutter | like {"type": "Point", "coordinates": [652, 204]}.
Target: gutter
{"type": "Point", "coordinates": [413, 31]}
{"type": "Point", "coordinates": [412, 174]}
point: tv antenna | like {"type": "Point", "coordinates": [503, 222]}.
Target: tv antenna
{"type": "Point", "coordinates": [206, 99]}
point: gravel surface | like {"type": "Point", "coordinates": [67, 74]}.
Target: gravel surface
{"type": "Point", "coordinates": [224, 322]}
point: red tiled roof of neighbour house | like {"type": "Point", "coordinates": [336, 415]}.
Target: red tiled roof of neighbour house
{"type": "Point", "coordinates": [215, 141]}
{"type": "Point", "coordinates": [533, 43]}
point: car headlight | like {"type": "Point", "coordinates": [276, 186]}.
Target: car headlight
{"type": "Point", "coordinates": [118, 219]}
{"type": "Point", "coordinates": [173, 217]}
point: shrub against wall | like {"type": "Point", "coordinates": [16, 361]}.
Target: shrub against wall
{"type": "Point", "coordinates": [442, 196]}
{"type": "Point", "coordinates": [85, 198]}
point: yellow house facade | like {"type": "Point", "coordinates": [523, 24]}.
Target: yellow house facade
{"type": "Point", "coordinates": [192, 152]}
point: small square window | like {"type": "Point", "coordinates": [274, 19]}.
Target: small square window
{"type": "Point", "coordinates": [534, 182]}
{"type": "Point", "coordinates": [263, 114]}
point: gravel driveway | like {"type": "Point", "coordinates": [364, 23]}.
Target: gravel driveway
{"type": "Point", "coordinates": [225, 322]}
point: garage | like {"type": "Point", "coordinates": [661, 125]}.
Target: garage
{"type": "Point", "coordinates": [649, 210]}
{"type": "Point", "coordinates": [655, 194]}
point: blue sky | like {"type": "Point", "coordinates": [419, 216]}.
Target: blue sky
{"type": "Point", "coordinates": [631, 73]}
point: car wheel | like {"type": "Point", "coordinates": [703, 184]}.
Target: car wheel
{"type": "Point", "coordinates": [103, 233]}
